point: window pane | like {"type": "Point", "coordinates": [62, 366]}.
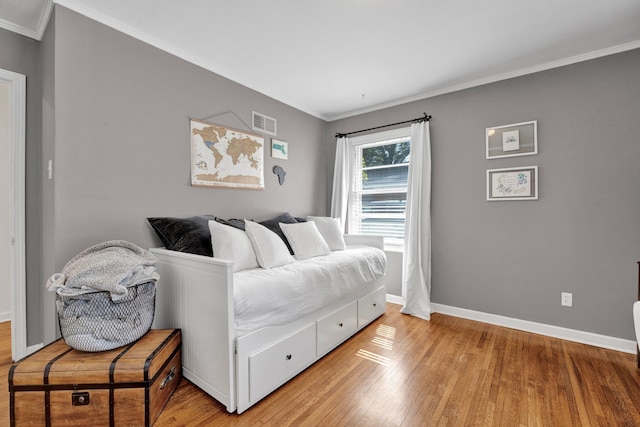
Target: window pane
{"type": "Point", "coordinates": [383, 178]}
{"type": "Point", "coordinates": [390, 154]}
{"type": "Point", "coordinates": [379, 198]}
{"type": "Point", "coordinates": [393, 203]}
{"type": "Point", "coordinates": [388, 227]}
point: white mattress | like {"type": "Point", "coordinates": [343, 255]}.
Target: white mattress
{"type": "Point", "coordinates": [283, 294]}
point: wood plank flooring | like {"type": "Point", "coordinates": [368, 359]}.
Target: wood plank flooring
{"type": "Point", "coordinates": [5, 364]}
{"type": "Point", "coordinates": [404, 371]}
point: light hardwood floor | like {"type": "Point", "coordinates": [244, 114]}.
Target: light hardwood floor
{"type": "Point", "coordinates": [403, 371]}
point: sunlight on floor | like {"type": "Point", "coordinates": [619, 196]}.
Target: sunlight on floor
{"type": "Point", "coordinates": [386, 331]}
{"type": "Point", "coordinates": [384, 339]}
{"type": "Point", "coordinates": [384, 343]}
{"type": "Point", "coordinates": [384, 361]}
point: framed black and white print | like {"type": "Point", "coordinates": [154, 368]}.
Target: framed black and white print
{"type": "Point", "coordinates": [518, 139]}
{"type": "Point", "coordinates": [512, 184]}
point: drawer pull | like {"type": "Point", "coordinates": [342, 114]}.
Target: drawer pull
{"type": "Point", "coordinates": [288, 357]}
{"type": "Point", "coordinates": [374, 304]}
{"type": "Point", "coordinates": [340, 324]}
{"type": "Point", "coordinates": [168, 378]}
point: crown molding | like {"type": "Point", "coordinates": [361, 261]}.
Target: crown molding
{"type": "Point", "coordinates": [78, 7]}
{"type": "Point", "coordinates": [18, 29]}
{"type": "Point", "coordinates": [45, 16]}
{"type": "Point", "coordinates": [32, 33]}
{"type": "Point", "coordinates": [491, 79]}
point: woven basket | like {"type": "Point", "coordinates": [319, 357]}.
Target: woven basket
{"type": "Point", "coordinates": [93, 322]}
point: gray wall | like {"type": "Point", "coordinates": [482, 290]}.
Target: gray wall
{"type": "Point", "coordinates": [514, 258]}
{"type": "Point", "coordinates": [21, 55]}
{"type": "Point", "coordinates": [121, 151]}
{"type": "Point", "coordinates": [47, 64]}
{"type": "Point", "coordinates": [112, 113]}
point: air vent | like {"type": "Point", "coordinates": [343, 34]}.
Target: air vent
{"type": "Point", "coordinates": [262, 123]}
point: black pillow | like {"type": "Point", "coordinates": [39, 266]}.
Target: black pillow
{"type": "Point", "coordinates": [189, 235]}
{"type": "Point", "coordinates": [273, 224]}
{"type": "Point", "coordinates": [233, 222]}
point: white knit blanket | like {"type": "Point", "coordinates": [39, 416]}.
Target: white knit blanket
{"type": "Point", "coordinates": [105, 295]}
{"type": "Point", "coordinates": [111, 266]}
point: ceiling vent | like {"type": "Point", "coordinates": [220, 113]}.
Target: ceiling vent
{"type": "Point", "coordinates": [262, 123]}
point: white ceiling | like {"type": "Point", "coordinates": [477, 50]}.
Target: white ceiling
{"type": "Point", "coordinates": [336, 58]}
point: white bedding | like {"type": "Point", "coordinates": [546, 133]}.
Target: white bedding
{"type": "Point", "coordinates": [283, 294]}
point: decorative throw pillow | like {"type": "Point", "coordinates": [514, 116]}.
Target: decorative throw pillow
{"type": "Point", "coordinates": [233, 222]}
{"type": "Point", "coordinates": [232, 244]}
{"type": "Point", "coordinates": [273, 224]}
{"type": "Point", "coordinates": [189, 235]}
{"type": "Point", "coordinates": [269, 248]}
{"type": "Point", "coordinates": [305, 239]}
{"type": "Point", "coordinates": [331, 231]}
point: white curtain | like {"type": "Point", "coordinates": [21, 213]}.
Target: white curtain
{"type": "Point", "coordinates": [341, 180]}
{"type": "Point", "coordinates": [416, 263]}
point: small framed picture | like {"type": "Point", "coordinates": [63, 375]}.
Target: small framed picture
{"type": "Point", "coordinates": [518, 139]}
{"type": "Point", "coordinates": [512, 184]}
{"type": "Point", "coordinates": [279, 149]}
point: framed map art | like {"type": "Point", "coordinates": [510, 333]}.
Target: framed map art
{"type": "Point", "coordinates": [225, 157]}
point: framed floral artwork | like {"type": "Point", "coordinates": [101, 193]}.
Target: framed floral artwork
{"type": "Point", "coordinates": [512, 183]}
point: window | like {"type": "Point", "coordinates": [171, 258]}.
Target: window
{"type": "Point", "coordinates": [378, 201]}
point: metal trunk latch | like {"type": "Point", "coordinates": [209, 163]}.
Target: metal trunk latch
{"type": "Point", "coordinates": [168, 378]}
{"type": "Point", "coordinates": [80, 398]}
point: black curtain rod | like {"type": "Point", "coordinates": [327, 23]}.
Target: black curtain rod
{"type": "Point", "coordinates": [424, 118]}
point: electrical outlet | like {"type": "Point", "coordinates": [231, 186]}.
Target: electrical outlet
{"type": "Point", "coordinates": [567, 299]}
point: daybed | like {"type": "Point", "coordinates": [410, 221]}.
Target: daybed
{"type": "Point", "coordinates": [237, 359]}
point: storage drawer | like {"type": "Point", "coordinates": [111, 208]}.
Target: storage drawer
{"type": "Point", "coordinates": [336, 327]}
{"type": "Point", "coordinates": [273, 366]}
{"type": "Point", "coordinates": [371, 306]}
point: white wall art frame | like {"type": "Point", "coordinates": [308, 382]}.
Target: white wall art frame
{"type": "Point", "coordinates": [279, 149]}
{"type": "Point", "coordinates": [518, 139]}
{"type": "Point", "coordinates": [512, 184]}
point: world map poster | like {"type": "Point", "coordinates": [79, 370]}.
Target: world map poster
{"type": "Point", "coordinates": [226, 157]}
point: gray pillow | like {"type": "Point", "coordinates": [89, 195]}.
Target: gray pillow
{"type": "Point", "coordinates": [232, 222]}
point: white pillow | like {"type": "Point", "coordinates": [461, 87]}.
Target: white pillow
{"type": "Point", "coordinates": [268, 246]}
{"type": "Point", "coordinates": [305, 240]}
{"type": "Point", "coordinates": [331, 231]}
{"type": "Point", "coordinates": [232, 244]}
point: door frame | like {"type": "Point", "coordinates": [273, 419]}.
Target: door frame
{"type": "Point", "coordinates": [17, 257]}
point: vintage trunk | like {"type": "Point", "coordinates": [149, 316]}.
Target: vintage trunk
{"type": "Point", "coordinates": [127, 386]}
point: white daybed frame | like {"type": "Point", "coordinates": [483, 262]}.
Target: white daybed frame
{"type": "Point", "coordinates": [195, 294]}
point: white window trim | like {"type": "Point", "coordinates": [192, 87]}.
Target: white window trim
{"type": "Point", "coordinates": [380, 136]}
{"type": "Point", "coordinates": [372, 138]}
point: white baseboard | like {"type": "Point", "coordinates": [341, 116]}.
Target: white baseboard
{"type": "Point", "coordinates": [394, 299]}
{"type": "Point", "coordinates": [604, 341]}
{"type": "Point", "coordinates": [33, 348]}
{"type": "Point", "coordinates": [5, 317]}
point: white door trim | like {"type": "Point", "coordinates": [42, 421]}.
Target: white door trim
{"type": "Point", "coordinates": [17, 258]}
